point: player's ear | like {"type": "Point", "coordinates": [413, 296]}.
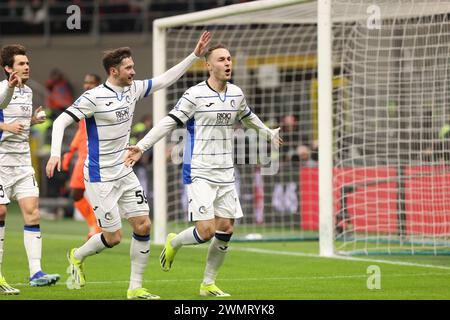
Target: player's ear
{"type": "Point", "coordinates": [8, 69]}
{"type": "Point", "coordinates": [113, 71]}
{"type": "Point", "coordinates": [208, 66]}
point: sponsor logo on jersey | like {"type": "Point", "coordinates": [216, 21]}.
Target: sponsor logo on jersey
{"type": "Point", "coordinates": [123, 115]}
{"type": "Point", "coordinates": [25, 108]}
{"type": "Point", "coordinates": [223, 118]}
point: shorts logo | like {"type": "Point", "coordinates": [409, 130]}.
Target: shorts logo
{"type": "Point", "coordinates": [122, 115]}
{"type": "Point", "coordinates": [223, 118]}
{"type": "Point", "coordinates": [108, 216]}
{"type": "Point", "coordinates": [202, 209]}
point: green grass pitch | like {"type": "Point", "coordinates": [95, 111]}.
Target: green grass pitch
{"type": "Point", "coordinates": [252, 271]}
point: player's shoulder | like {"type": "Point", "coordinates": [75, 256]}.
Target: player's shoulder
{"type": "Point", "coordinates": [27, 89]}
{"type": "Point", "coordinates": [95, 92]}
{"type": "Point", "coordinates": [194, 90]}
{"type": "Point", "coordinates": [234, 89]}
{"type": "Point", "coordinates": [3, 84]}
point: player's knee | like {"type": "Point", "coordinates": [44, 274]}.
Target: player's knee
{"type": "Point", "coordinates": [144, 227]}
{"type": "Point", "coordinates": [113, 239]}
{"type": "Point", "coordinates": [206, 233]}
{"type": "Point", "coordinates": [77, 194]}
{"type": "Point", "coordinates": [32, 216]}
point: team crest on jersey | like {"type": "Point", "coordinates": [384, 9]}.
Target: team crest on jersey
{"type": "Point", "coordinates": [233, 104]}
{"type": "Point", "coordinates": [123, 115]}
{"type": "Point", "coordinates": [223, 118]}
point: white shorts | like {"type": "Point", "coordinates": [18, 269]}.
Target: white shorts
{"type": "Point", "coordinates": [19, 182]}
{"type": "Point", "coordinates": [3, 196]}
{"type": "Point", "coordinates": [116, 199]}
{"type": "Point", "coordinates": [206, 200]}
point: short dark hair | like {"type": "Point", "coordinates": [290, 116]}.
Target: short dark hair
{"type": "Point", "coordinates": [214, 47]}
{"type": "Point", "coordinates": [8, 53]}
{"type": "Point", "coordinates": [113, 58]}
{"type": "Point", "coordinates": [95, 76]}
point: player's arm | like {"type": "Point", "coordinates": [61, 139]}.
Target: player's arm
{"type": "Point", "coordinates": [173, 74]}
{"type": "Point", "coordinates": [183, 111]}
{"type": "Point", "coordinates": [251, 120]}
{"type": "Point", "coordinates": [7, 93]}
{"type": "Point", "coordinates": [82, 108]}
{"type": "Point", "coordinates": [160, 130]}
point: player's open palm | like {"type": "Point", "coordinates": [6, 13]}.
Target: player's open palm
{"type": "Point", "coordinates": [53, 162]}
{"type": "Point", "coordinates": [276, 139]}
{"type": "Point", "coordinates": [202, 44]}
{"type": "Point", "coordinates": [132, 156]}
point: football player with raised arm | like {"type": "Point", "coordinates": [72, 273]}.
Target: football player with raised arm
{"type": "Point", "coordinates": [112, 189]}
{"type": "Point", "coordinates": [16, 171]}
{"type": "Point", "coordinates": [209, 110]}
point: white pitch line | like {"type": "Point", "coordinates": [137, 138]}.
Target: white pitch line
{"type": "Point", "coordinates": [312, 255]}
{"type": "Point", "coordinates": [254, 279]}
{"type": "Point", "coordinates": [126, 240]}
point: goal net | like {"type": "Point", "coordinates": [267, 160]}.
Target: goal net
{"type": "Point", "coordinates": [390, 108]}
{"type": "Point", "coordinates": [391, 171]}
{"type": "Point", "coordinates": [274, 63]}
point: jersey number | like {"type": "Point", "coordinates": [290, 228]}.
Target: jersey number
{"type": "Point", "coordinates": [142, 197]}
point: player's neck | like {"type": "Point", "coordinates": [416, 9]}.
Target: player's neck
{"type": "Point", "coordinates": [111, 82]}
{"type": "Point", "coordinates": [217, 85]}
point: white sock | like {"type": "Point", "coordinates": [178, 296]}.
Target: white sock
{"type": "Point", "coordinates": [139, 253]}
{"type": "Point", "coordinates": [33, 246]}
{"type": "Point", "coordinates": [186, 237]}
{"type": "Point", "coordinates": [94, 245]}
{"type": "Point", "coordinates": [2, 238]}
{"type": "Point", "coordinates": [216, 256]}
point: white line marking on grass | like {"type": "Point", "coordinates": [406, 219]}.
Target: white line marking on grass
{"type": "Point", "coordinates": [276, 252]}
{"type": "Point", "coordinates": [252, 279]}
{"type": "Point", "coordinates": [312, 255]}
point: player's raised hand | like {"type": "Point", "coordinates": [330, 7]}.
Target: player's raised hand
{"type": "Point", "coordinates": [132, 156]}
{"type": "Point", "coordinates": [14, 80]}
{"type": "Point", "coordinates": [276, 139]}
{"type": "Point", "coordinates": [202, 44]}
{"type": "Point", "coordinates": [53, 162]}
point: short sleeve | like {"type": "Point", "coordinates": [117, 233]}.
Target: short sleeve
{"type": "Point", "coordinates": [185, 108]}
{"type": "Point", "coordinates": [243, 110]}
{"type": "Point", "coordinates": [142, 88]}
{"type": "Point", "coordinates": [83, 107]}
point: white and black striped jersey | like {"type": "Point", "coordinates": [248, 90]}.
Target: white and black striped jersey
{"type": "Point", "coordinates": [210, 117]}
{"type": "Point", "coordinates": [108, 111]}
{"type": "Point", "coordinates": [15, 148]}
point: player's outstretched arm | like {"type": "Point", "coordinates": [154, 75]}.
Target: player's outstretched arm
{"type": "Point", "coordinates": [59, 126]}
{"type": "Point", "coordinates": [6, 95]}
{"type": "Point", "coordinates": [160, 130]}
{"type": "Point", "coordinates": [252, 121]}
{"type": "Point", "coordinates": [175, 73]}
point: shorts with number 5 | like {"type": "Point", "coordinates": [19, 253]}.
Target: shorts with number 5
{"type": "Point", "coordinates": [114, 200]}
